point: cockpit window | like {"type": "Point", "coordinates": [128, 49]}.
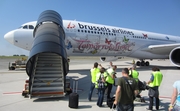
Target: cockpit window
{"type": "Point", "coordinates": [31, 27]}
{"type": "Point", "coordinates": [25, 27]}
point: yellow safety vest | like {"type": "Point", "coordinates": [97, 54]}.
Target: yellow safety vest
{"type": "Point", "coordinates": [94, 72]}
{"type": "Point", "coordinates": [109, 78]}
{"type": "Point", "coordinates": [135, 74]}
{"type": "Point", "coordinates": [157, 79]}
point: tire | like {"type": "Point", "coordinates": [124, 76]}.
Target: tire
{"type": "Point", "coordinates": [147, 63]}
{"type": "Point", "coordinates": [12, 68]}
{"type": "Point", "coordinates": [138, 63]}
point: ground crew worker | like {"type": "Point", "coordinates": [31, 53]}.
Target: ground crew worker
{"type": "Point", "coordinates": [133, 61]}
{"type": "Point", "coordinates": [133, 73]}
{"type": "Point", "coordinates": [95, 70]}
{"type": "Point", "coordinates": [154, 83]}
{"type": "Point", "coordinates": [110, 79]}
{"type": "Point", "coordinates": [101, 85]}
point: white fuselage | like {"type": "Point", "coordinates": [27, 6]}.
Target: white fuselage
{"type": "Point", "coordinates": [87, 39]}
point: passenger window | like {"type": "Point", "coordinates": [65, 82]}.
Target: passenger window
{"type": "Point", "coordinates": [31, 27]}
{"type": "Point", "coordinates": [25, 27]}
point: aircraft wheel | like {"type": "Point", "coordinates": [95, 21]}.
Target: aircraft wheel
{"type": "Point", "coordinates": [147, 63]}
{"type": "Point", "coordinates": [12, 68]}
{"type": "Point", "coordinates": [138, 63]}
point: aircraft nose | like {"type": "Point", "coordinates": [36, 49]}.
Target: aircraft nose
{"type": "Point", "coordinates": [9, 37]}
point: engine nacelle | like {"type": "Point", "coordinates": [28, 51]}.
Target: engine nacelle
{"type": "Point", "coordinates": [109, 59]}
{"type": "Point", "coordinates": [174, 56]}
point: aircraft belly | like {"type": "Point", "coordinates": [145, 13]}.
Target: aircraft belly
{"type": "Point", "coordinates": [147, 55]}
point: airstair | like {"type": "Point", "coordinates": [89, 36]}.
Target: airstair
{"type": "Point", "coordinates": [47, 65]}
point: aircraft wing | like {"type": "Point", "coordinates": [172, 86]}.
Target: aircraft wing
{"type": "Point", "coordinates": [163, 49]}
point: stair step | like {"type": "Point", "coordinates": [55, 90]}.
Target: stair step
{"type": "Point", "coordinates": [48, 79]}
{"type": "Point", "coordinates": [45, 75]}
{"type": "Point", "coordinates": [50, 57]}
{"type": "Point", "coordinates": [47, 84]}
{"type": "Point", "coordinates": [48, 54]}
{"type": "Point", "coordinates": [49, 62]}
{"type": "Point", "coordinates": [48, 68]}
{"type": "Point", "coordinates": [47, 88]}
{"type": "Point", "coordinates": [48, 65]}
{"type": "Point", "coordinates": [48, 72]}
{"type": "Point", "coordinates": [47, 93]}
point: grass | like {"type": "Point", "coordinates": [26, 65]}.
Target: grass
{"type": "Point", "coordinates": [13, 57]}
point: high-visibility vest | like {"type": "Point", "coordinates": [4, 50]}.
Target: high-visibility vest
{"type": "Point", "coordinates": [157, 79]}
{"type": "Point", "coordinates": [94, 72]}
{"type": "Point", "coordinates": [109, 78]}
{"type": "Point", "coordinates": [135, 75]}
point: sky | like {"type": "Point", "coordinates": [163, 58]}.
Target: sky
{"type": "Point", "coordinates": [160, 16]}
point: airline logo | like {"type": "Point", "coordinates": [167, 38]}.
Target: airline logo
{"type": "Point", "coordinates": [97, 28]}
{"type": "Point", "coordinates": [104, 29]}
{"type": "Point", "coordinates": [70, 26]}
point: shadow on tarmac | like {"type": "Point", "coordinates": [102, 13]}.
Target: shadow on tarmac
{"type": "Point", "coordinates": [163, 106]}
{"type": "Point", "coordinates": [51, 99]}
{"type": "Point", "coordinates": [160, 67]}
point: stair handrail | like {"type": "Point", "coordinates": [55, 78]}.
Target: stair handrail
{"type": "Point", "coordinates": [33, 74]}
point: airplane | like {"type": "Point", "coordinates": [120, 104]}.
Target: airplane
{"type": "Point", "coordinates": [108, 42]}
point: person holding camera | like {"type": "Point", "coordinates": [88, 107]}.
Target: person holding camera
{"type": "Point", "coordinates": [101, 85]}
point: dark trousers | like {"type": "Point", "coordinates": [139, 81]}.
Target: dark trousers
{"type": "Point", "coordinates": [100, 96]}
{"type": "Point", "coordinates": [91, 91]}
{"type": "Point", "coordinates": [123, 107]}
{"type": "Point", "coordinates": [151, 103]}
{"type": "Point", "coordinates": [109, 88]}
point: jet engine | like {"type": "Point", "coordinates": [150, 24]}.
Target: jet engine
{"type": "Point", "coordinates": [174, 56]}
{"type": "Point", "coordinates": [108, 59]}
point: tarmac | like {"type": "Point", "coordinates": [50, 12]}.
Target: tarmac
{"type": "Point", "coordinates": [12, 84]}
